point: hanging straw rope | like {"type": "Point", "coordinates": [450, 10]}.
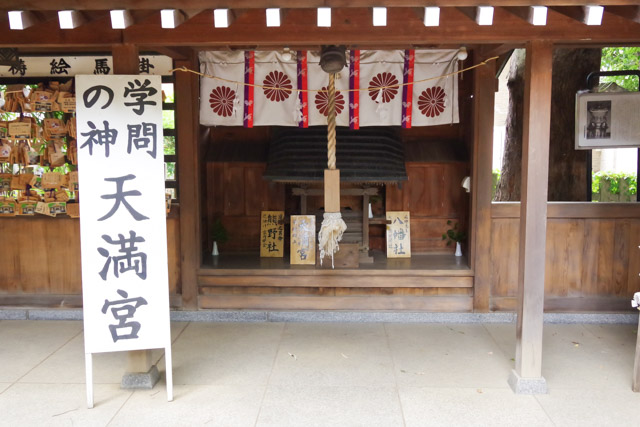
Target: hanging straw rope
{"type": "Point", "coordinates": [333, 226]}
{"type": "Point", "coordinates": [363, 89]}
{"type": "Point", "coordinates": [331, 124]}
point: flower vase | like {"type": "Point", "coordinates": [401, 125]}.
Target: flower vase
{"type": "Point", "coordinates": [215, 252]}
{"type": "Point", "coordinates": [458, 249]}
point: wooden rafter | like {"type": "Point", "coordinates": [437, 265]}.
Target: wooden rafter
{"type": "Point", "coordinates": [628, 12]}
{"type": "Point", "coordinates": [351, 26]}
{"type": "Point", "coordinates": [285, 4]}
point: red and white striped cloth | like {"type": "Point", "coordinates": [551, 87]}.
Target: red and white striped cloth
{"type": "Point", "coordinates": [392, 95]}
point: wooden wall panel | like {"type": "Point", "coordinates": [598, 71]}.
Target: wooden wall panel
{"type": "Point", "coordinates": [433, 195]}
{"type": "Point", "coordinates": [234, 190]}
{"type": "Point", "coordinates": [504, 257]}
{"type": "Point", "coordinates": [597, 273]}
{"type": "Point", "coordinates": [633, 277]}
{"type": "Point", "coordinates": [45, 256]}
{"type": "Point", "coordinates": [585, 257]}
{"type": "Point", "coordinates": [563, 271]}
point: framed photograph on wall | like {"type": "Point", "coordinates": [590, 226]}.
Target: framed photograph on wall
{"type": "Point", "coordinates": [607, 120]}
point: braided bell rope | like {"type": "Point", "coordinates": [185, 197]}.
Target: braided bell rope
{"type": "Point", "coordinates": [331, 123]}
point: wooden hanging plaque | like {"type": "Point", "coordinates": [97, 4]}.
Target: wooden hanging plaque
{"type": "Point", "coordinates": [20, 130]}
{"type": "Point", "coordinates": [7, 207]}
{"type": "Point", "coordinates": [303, 239]}
{"type": "Point", "coordinates": [272, 234]}
{"type": "Point", "coordinates": [398, 234]}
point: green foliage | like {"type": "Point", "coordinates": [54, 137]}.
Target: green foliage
{"type": "Point", "coordinates": [218, 232]}
{"type": "Point", "coordinates": [618, 59]}
{"type": "Point", "coordinates": [613, 179]}
{"type": "Point", "coordinates": [496, 179]}
{"type": "Point", "coordinates": [453, 234]}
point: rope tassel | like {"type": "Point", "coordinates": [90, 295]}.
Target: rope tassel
{"type": "Point", "coordinates": [333, 226]}
{"type": "Point", "coordinates": [331, 231]}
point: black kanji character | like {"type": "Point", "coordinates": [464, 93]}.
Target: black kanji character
{"type": "Point", "coordinates": [59, 67]}
{"type": "Point", "coordinates": [143, 135]}
{"type": "Point", "coordinates": [144, 66]}
{"type": "Point", "coordinates": [130, 260]}
{"type": "Point", "coordinates": [97, 136]}
{"type": "Point", "coordinates": [101, 66]}
{"type": "Point", "coordinates": [120, 197]}
{"type": "Point", "coordinates": [123, 310]}
{"type": "Point", "coordinates": [20, 68]}
{"type": "Point", "coordinates": [140, 92]}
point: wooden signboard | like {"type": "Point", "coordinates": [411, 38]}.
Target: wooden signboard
{"type": "Point", "coordinates": [272, 234]}
{"type": "Point", "coordinates": [303, 239]}
{"type": "Point", "coordinates": [398, 235]}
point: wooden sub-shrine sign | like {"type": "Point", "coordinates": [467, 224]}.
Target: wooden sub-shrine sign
{"type": "Point", "coordinates": [398, 235]}
{"type": "Point", "coordinates": [272, 234]}
{"type": "Point", "coordinates": [303, 239]}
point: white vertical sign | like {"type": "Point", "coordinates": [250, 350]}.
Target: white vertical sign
{"type": "Point", "coordinates": [122, 214]}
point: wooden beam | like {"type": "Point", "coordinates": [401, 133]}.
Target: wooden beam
{"type": "Point", "coordinates": [627, 12]}
{"type": "Point", "coordinates": [178, 53]}
{"type": "Point", "coordinates": [562, 210]}
{"type": "Point", "coordinates": [577, 13]}
{"type": "Point", "coordinates": [337, 281]}
{"type": "Point", "coordinates": [575, 304]}
{"type": "Point", "coordinates": [186, 89]}
{"type": "Point", "coordinates": [263, 4]}
{"type": "Point", "coordinates": [524, 13]}
{"type": "Point", "coordinates": [489, 51]}
{"type": "Point", "coordinates": [125, 59]}
{"type": "Point", "coordinates": [332, 190]}
{"type": "Point", "coordinates": [289, 302]}
{"type": "Point", "coordinates": [483, 110]}
{"type": "Point", "coordinates": [403, 29]}
{"type": "Point", "coordinates": [533, 208]}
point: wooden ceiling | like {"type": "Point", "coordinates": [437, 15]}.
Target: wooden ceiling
{"type": "Point", "coordinates": [351, 25]}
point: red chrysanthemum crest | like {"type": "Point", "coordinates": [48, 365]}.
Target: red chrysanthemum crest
{"type": "Point", "coordinates": [322, 102]}
{"type": "Point", "coordinates": [275, 81]}
{"type": "Point", "coordinates": [383, 80]}
{"type": "Point", "coordinates": [221, 101]}
{"type": "Point", "coordinates": [431, 101]}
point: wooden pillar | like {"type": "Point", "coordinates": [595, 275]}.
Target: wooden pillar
{"type": "Point", "coordinates": [126, 61]}
{"type": "Point", "coordinates": [186, 90]}
{"type": "Point", "coordinates": [636, 364]}
{"type": "Point", "coordinates": [527, 377]}
{"type": "Point", "coordinates": [484, 84]}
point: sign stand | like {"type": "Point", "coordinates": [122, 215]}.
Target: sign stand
{"type": "Point", "coordinates": [88, 364]}
{"type": "Point", "coordinates": [168, 359]}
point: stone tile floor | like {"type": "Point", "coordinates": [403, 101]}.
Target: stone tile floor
{"type": "Point", "coordinates": [323, 374]}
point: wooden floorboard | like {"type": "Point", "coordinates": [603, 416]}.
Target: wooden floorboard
{"type": "Point", "coordinates": [261, 302]}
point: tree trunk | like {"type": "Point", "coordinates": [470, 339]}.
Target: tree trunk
{"type": "Point", "coordinates": [508, 188]}
{"type": "Point", "coordinates": [567, 166]}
